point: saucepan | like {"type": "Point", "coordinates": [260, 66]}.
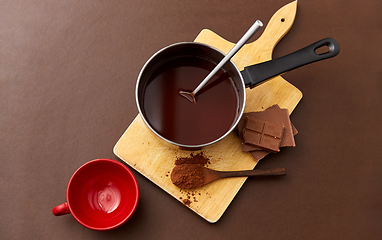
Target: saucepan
{"type": "Point", "coordinates": [220, 103]}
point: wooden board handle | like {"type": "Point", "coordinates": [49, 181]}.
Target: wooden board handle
{"type": "Point", "coordinates": [277, 27]}
{"type": "Point", "coordinates": [260, 50]}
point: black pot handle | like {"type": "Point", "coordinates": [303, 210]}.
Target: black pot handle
{"type": "Point", "coordinates": [255, 74]}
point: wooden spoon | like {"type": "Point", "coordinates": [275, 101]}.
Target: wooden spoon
{"type": "Point", "coordinates": [188, 176]}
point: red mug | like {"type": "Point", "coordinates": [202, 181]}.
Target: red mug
{"type": "Point", "coordinates": [101, 195]}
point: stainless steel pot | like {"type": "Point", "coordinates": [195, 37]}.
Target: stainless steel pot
{"type": "Point", "coordinates": [249, 77]}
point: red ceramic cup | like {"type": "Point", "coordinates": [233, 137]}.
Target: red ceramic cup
{"type": "Point", "coordinates": [101, 195]}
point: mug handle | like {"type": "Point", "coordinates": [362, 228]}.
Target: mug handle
{"type": "Point", "coordinates": [61, 209]}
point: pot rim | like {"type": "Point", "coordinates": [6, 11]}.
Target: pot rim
{"type": "Point", "coordinates": [240, 113]}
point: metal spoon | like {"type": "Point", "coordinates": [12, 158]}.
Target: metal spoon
{"type": "Point", "coordinates": [189, 176]}
{"type": "Point", "coordinates": [191, 95]}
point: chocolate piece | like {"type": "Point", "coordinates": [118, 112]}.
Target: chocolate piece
{"type": "Point", "coordinates": [258, 155]}
{"type": "Point", "coordinates": [277, 116]}
{"type": "Point", "coordinates": [294, 129]}
{"type": "Point", "coordinates": [256, 152]}
{"type": "Point", "coordinates": [248, 148]}
{"type": "Point", "coordinates": [263, 134]}
{"type": "Point", "coordinates": [267, 128]}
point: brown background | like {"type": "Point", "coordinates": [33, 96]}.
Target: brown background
{"type": "Point", "coordinates": [67, 76]}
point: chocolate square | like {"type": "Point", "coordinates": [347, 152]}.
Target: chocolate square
{"type": "Point", "coordinates": [265, 135]}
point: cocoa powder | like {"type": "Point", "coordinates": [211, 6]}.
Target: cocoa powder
{"type": "Point", "coordinates": [188, 176]}
{"type": "Point", "coordinates": [193, 159]}
{"type": "Point", "coordinates": [186, 202]}
{"type": "Point", "coordinates": [183, 176]}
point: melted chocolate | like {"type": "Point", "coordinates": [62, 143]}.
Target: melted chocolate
{"type": "Point", "coordinates": [176, 118]}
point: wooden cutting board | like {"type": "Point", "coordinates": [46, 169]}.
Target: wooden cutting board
{"type": "Point", "coordinates": [154, 158]}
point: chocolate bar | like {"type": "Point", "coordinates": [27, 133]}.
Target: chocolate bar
{"type": "Point", "coordinates": [275, 115]}
{"type": "Point", "coordinates": [257, 152]}
{"type": "Point", "coordinates": [249, 148]}
{"type": "Point", "coordinates": [265, 135]}
{"type": "Point", "coordinates": [258, 155]}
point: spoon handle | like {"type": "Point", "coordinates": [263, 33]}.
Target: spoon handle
{"type": "Point", "coordinates": [253, 173]}
{"type": "Point", "coordinates": [242, 41]}
{"type": "Point", "coordinates": [229, 55]}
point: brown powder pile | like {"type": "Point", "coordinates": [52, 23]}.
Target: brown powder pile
{"type": "Point", "coordinates": [186, 202]}
{"type": "Point", "coordinates": [187, 173]}
{"type": "Point", "coordinates": [193, 159]}
{"type": "Point", "coordinates": [188, 176]}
